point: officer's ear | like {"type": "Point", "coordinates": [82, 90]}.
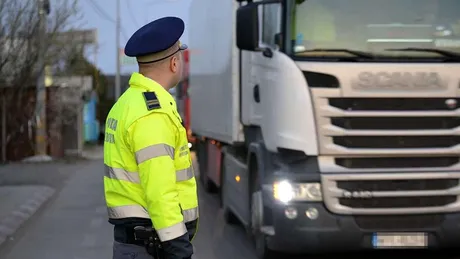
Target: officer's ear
{"type": "Point", "coordinates": [174, 64]}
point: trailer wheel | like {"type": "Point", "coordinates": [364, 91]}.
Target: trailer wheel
{"type": "Point", "coordinates": [229, 216]}
{"type": "Point", "coordinates": [202, 155]}
{"type": "Point", "coordinates": [257, 208]}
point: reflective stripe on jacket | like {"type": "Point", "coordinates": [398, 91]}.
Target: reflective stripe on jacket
{"type": "Point", "coordinates": [148, 168]}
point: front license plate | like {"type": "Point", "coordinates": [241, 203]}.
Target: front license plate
{"type": "Point", "coordinates": [400, 240]}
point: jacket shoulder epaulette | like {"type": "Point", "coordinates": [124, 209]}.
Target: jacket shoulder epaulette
{"type": "Point", "coordinates": [151, 101]}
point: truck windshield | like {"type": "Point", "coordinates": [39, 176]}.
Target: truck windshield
{"type": "Point", "coordinates": [390, 28]}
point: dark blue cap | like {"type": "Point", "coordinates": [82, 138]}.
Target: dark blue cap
{"type": "Point", "coordinates": [155, 37]}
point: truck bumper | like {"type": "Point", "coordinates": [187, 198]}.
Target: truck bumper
{"type": "Point", "coordinates": [337, 233]}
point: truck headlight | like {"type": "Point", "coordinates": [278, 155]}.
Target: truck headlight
{"type": "Point", "coordinates": [285, 191]}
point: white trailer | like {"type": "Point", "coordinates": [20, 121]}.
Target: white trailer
{"type": "Point", "coordinates": [330, 124]}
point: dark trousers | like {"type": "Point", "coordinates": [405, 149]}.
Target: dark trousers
{"type": "Point", "coordinates": [129, 251]}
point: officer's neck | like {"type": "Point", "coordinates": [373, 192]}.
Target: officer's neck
{"type": "Point", "coordinates": [157, 77]}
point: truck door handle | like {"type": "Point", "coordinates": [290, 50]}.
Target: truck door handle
{"type": "Point", "coordinates": [256, 94]}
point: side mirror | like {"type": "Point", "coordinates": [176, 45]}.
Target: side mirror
{"type": "Point", "coordinates": [247, 24]}
{"type": "Point", "coordinates": [247, 27]}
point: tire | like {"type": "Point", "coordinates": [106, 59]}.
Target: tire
{"type": "Point", "coordinates": [229, 216]}
{"type": "Point", "coordinates": [202, 155]}
{"type": "Point", "coordinates": [259, 238]}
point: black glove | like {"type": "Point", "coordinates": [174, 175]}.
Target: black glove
{"type": "Point", "coordinates": [191, 228]}
{"type": "Point", "coordinates": [178, 248]}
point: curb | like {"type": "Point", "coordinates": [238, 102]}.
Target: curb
{"type": "Point", "coordinates": [11, 223]}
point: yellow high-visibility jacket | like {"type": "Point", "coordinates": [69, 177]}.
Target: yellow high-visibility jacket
{"type": "Point", "coordinates": [149, 173]}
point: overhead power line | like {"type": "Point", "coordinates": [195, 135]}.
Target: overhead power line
{"type": "Point", "coordinates": [100, 11]}
{"type": "Point", "coordinates": [133, 17]}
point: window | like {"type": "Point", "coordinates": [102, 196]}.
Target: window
{"type": "Point", "coordinates": [271, 23]}
{"type": "Point", "coordinates": [375, 26]}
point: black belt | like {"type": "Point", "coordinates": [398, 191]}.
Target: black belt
{"type": "Point", "coordinates": [146, 237]}
{"type": "Point", "coordinates": [125, 234]}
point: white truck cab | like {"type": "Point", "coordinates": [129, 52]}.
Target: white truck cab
{"type": "Point", "coordinates": [330, 125]}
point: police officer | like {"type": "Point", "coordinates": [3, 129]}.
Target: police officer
{"type": "Point", "coordinates": [150, 188]}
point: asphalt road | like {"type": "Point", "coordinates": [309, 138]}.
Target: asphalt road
{"type": "Point", "coordinates": [73, 226]}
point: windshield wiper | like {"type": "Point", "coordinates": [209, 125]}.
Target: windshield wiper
{"type": "Point", "coordinates": [357, 53]}
{"type": "Point", "coordinates": [445, 53]}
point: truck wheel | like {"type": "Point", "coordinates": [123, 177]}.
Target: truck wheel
{"type": "Point", "coordinates": [259, 238]}
{"type": "Point", "coordinates": [229, 217]}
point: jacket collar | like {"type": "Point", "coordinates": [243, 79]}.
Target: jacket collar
{"type": "Point", "coordinates": [137, 80]}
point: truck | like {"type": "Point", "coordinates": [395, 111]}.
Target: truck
{"type": "Point", "coordinates": [330, 125]}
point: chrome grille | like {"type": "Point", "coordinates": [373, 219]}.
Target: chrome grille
{"type": "Point", "coordinates": [400, 202]}
{"type": "Point", "coordinates": [396, 141]}
{"type": "Point", "coordinates": [375, 153]}
{"type": "Point", "coordinates": [386, 125]}
{"type": "Point", "coordinates": [387, 128]}
{"type": "Point", "coordinates": [398, 185]}
{"type": "Point", "coordinates": [389, 151]}
{"type": "Point", "coordinates": [396, 123]}
{"type": "Point", "coordinates": [391, 193]}
{"type": "Point", "coordinates": [378, 163]}
{"type": "Point", "coordinates": [390, 104]}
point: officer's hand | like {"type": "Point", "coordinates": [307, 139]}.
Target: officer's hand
{"type": "Point", "coordinates": [191, 228]}
{"type": "Point", "coordinates": [179, 248]}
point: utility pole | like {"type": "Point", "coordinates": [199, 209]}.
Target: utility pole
{"type": "Point", "coordinates": [40, 105]}
{"type": "Point", "coordinates": [118, 31]}
{"type": "Point", "coordinates": [3, 129]}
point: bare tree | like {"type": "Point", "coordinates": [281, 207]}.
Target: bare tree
{"type": "Point", "coordinates": [18, 57]}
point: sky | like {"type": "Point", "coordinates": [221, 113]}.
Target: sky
{"type": "Point", "coordinates": [134, 14]}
